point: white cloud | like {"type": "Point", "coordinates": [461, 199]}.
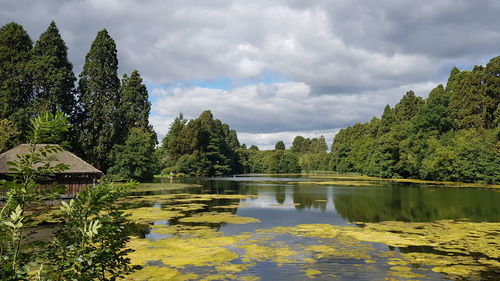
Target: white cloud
{"type": "Point", "coordinates": [345, 60]}
{"type": "Point", "coordinates": [269, 140]}
{"type": "Point", "coordinates": [262, 114]}
{"type": "Point", "coordinates": [333, 46]}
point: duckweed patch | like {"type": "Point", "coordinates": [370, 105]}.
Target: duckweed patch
{"type": "Point", "coordinates": [280, 254]}
{"type": "Point", "coordinates": [186, 230]}
{"type": "Point", "coordinates": [180, 252]}
{"type": "Point", "coordinates": [151, 214]}
{"type": "Point", "coordinates": [187, 207]}
{"type": "Point", "coordinates": [311, 273]}
{"type": "Point", "coordinates": [215, 217]}
{"type": "Point", "coordinates": [457, 249]}
{"type": "Point", "coordinates": [160, 273]}
{"type": "Point", "coordinates": [149, 187]}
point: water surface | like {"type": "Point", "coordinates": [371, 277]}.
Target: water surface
{"type": "Point", "coordinates": [291, 201]}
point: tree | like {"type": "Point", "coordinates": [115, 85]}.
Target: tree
{"type": "Point", "coordinates": [280, 145]}
{"type": "Point", "coordinates": [53, 77]}
{"type": "Point", "coordinates": [300, 144]}
{"type": "Point", "coordinates": [471, 104]}
{"type": "Point", "coordinates": [408, 106]}
{"type": "Point", "coordinates": [211, 145]}
{"type": "Point", "coordinates": [133, 106]}
{"type": "Point", "coordinates": [8, 134]}
{"type": "Point", "coordinates": [253, 147]}
{"type": "Point", "coordinates": [15, 79]}
{"type": "Point", "coordinates": [98, 89]}
{"type": "Point", "coordinates": [317, 145]}
{"type": "Point", "coordinates": [453, 135]}
{"type": "Point", "coordinates": [435, 114]}
{"type": "Point", "coordinates": [134, 159]}
{"type": "Point", "coordinates": [387, 120]}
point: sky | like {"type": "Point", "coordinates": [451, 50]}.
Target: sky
{"type": "Point", "coordinates": [275, 69]}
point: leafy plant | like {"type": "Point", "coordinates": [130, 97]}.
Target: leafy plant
{"type": "Point", "coordinates": [90, 243]}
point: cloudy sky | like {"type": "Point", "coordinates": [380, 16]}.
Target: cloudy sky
{"type": "Point", "coordinates": [274, 69]}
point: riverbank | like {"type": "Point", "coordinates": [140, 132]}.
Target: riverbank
{"type": "Point", "coordinates": [342, 178]}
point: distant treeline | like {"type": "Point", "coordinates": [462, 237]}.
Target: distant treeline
{"type": "Point", "coordinates": [203, 147]}
{"type": "Point", "coordinates": [453, 135]}
{"type": "Point", "coordinates": [206, 147]}
{"type": "Point", "coordinates": [109, 116]}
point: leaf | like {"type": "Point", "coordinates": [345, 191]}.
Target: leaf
{"type": "Point", "coordinates": [9, 224]}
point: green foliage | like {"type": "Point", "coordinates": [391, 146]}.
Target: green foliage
{"type": "Point", "coordinates": [39, 79]}
{"type": "Point", "coordinates": [17, 255]}
{"type": "Point", "coordinates": [91, 242]}
{"type": "Point", "coordinates": [453, 135]}
{"type": "Point", "coordinates": [280, 145]}
{"type": "Point", "coordinates": [135, 159]}
{"type": "Point", "coordinates": [99, 96]}
{"type": "Point", "coordinates": [133, 106]}
{"type": "Point", "coordinates": [253, 147]}
{"type": "Point", "coordinates": [271, 161]}
{"type": "Point", "coordinates": [475, 98]}
{"type": "Point", "coordinates": [15, 78]}
{"type": "Point", "coordinates": [306, 145]}
{"type": "Point", "coordinates": [53, 77]}
{"type": "Point", "coordinates": [203, 146]}
{"type": "Point", "coordinates": [8, 134]}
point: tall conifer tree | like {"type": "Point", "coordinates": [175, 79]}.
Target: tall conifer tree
{"type": "Point", "coordinates": [133, 106]}
{"type": "Point", "coordinates": [98, 89]}
{"type": "Point", "coordinates": [15, 81]}
{"type": "Point", "coordinates": [53, 77]}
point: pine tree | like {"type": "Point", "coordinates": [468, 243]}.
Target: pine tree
{"type": "Point", "coordinates": [53, 77]}
{"type": "Point", "coordinates": [135, 158]}
{"type": "Point", "coordinates": [408, 106]}
{"type": "Point", "coordinates": [98, 89]}
{"type": "Point", "coordinates": [15, 80]}
{"type": "Point", "coordinates": [133, 106]}
{"type": "Point", "coordinates": [172, 141]}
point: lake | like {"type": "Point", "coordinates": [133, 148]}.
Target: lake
{"type": "Point", "coordinates": [316, 227]}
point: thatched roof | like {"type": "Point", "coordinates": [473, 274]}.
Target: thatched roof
{"type": "Point", "coordinates": [76, 165]}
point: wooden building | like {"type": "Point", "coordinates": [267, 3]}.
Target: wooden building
{"type": "Point", "coordinates": [79, 176]}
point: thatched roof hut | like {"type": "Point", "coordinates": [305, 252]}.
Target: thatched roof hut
{"type": "Point", "coordinates": [79, 175]}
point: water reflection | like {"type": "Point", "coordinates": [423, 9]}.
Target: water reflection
{"type": "Point", "coordinates": [400, 202]}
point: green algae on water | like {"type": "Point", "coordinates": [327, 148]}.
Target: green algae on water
{"type": "Point", "coordinates": [160, 273]}
{"type": "Point", "coordinates": [215, 217]}
{"type": "Point", "coordinates": [311, 273]}
{"type": "Point", "coordinates": [151, 214]}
